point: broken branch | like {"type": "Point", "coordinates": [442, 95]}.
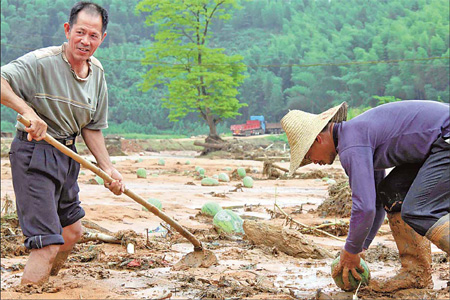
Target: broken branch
{"type": "Point", "coordinates": [306, 226]}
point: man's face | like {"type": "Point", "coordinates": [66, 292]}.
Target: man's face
{"type": "Point", "coordinates": [321, 152]}
{"type": "Point", "coordinates": [84, 37]}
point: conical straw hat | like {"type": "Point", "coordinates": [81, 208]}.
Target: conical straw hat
{"type": "Point", "coordinates": [302, 128]}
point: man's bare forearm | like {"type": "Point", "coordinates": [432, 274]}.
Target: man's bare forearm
{"type": "Point", "coordinates": [96, 143]}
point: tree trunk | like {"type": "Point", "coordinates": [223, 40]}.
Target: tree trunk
{"type": "Point", "coordinates": [213, 137]}
{"type": "Point", "coordinates": [286, 240]}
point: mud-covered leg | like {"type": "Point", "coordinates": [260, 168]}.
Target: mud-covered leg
{"type": "Point", "coordinates": [415, 258]}
{"type": "Point", "coordinates": [71, 235]}
{"type": "Point", "coordinates": [414, 249]}
{"type": "Point", "coordinates": [439, 234]}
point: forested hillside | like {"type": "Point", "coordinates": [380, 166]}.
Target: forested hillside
{"type": "Point", "coordinates": [300, 54]}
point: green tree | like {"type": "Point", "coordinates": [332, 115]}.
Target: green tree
{"type": "Point", "coordinates": [198, 78]}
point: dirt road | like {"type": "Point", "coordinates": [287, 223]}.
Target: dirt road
{"type": "Point", "coordinates": [97, 270]}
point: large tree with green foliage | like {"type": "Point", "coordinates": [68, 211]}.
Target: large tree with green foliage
{"type": "Point", "coordinates": [199, 78]}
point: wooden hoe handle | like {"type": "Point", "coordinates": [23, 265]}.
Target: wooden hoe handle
{"type": "Point", "coordinates": [87, 164]}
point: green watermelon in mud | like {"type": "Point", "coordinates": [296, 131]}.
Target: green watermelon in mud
{"type": "Point", "coordinates": [201, 171]}
{"type": "Point", "coordinates": [141, 173]}
{"type": "Point", "coordinates": [154, 202]}
{"type": "Point", "coordinates": [365, 276]}
{"type": "Point", "coordinates": [211, 208]}
{"type": "Point", "coordinates": [228, 221]}
{"type": "Point", "coordinates": [99, 180]}
{"type": "Point", "coordinates": [209, 182]}
{"type": "Point", "coordinates": [224, 177]}
{"type": "Point", "coordinates": [248, 182]}
{"type": "Point", "coordinates": [241, 172]}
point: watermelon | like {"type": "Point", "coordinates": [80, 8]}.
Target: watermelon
{"type": "Point", "coordinates": [161, 162]}
{"type": "Point", "coordinates": [241, 172]}
{"type": "Point", "coordinates": [365, 276]}
{"type": "Point", "coordinates": [209, 182]}
{"type": "Point", "coordinates": [99, 179]}
{"type": "Point", "coordinates": [228, 221]}
{"type": "Point", "coordinates": [187, 162]}
{"type": "Point", "coordinates": [248, 182]}
{"type": "Point", "coordinates": [201, 171]}
{"type": "Point", "coordinates": [215, 176]}
{"type": "Point", "coordinates": [139, 160]}
{"type": "Point", "coordinates": [224, 177]}
{"type": "Point", "coordinates": [211, 208]}
{"type": "Point", "coordinates": [155, 202]}
{"type": "Point", "coordinates": [141, 173]}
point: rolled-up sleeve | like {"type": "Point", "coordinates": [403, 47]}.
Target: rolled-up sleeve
{"type": "Point", "coordinates": [21, 74]}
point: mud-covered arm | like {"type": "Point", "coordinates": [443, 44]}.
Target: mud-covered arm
{"type": "Point", "coordinates": [358, 164]}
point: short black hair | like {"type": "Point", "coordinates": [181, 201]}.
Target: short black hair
{"type": "Point", "coordinates": [89, 7]}
{"type": "Point", "coordinates": [326, 127]}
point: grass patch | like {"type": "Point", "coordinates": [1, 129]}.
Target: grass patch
{"type": "Point", "coordinates": [278, 138]}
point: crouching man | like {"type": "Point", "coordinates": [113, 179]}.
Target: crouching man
{"type": "Point", "coordinates": [413, 137]}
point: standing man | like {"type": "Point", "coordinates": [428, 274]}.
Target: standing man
{"type": "Point", "coordinates": [62, 91]}
{"type": "Point", "coordinates": [413, 137]}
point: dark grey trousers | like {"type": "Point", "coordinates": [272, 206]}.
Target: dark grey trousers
{"type": "Point", "coordinates": [46, 189]}
{"type": "Point", "coordinates": [420, 191]}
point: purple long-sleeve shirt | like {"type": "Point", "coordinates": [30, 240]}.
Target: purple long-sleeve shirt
{"type": "Point", "coordinates": [387, 136]}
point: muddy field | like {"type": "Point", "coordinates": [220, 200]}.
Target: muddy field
{"type": "Point", "coordinates": [246, 269]}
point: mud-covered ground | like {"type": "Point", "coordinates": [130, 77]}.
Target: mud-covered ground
{"type": "Point", "coordinates": [253, 271]}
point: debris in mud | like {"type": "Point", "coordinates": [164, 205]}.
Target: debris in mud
{"type": "Point", "coordinates": [196, 259]}
{"type": "Point", "coordinates": [12, 237]}
{"type": "Point", "coordinates": [440, 258]}
{"type": "Point", "coordinates": [316, 174]}
{"type": "Point", "coordinates": [302, 227]}
{"type": "Point", "coordinates": [130, 237]}
{"type": "Point", "coordinates": [47, 287]}
{"type": "Point", "coordinates": [379, 253]}
{"type": "Point", "coordinates": [339, 228]}
{"type": "Point", "coordinates": [284, 239]}
{"type": "Point", "coordinates": [241, 149]}
{"type": "Point", "coordinates": [132, 262]}
{"type": "Point", "coordinates": [368, 293]}
{"type": "Point", "coordinates": [339, 202]}
{"type": "Point", "coordinates": [85, 253]}
{"type": "Point", "coordinates": [241, 284]}
{"type": "Point", "coordinates": [238, 187]}
{"type": "Point", "coordinates": [272, 171]}
{"type": "Point", "coordinates": [87, 270]}
{"type": "Point", "coordinates": [8, 206]}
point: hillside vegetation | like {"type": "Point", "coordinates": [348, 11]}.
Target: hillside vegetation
{"type": "Point", "coordinates": [300, 54]}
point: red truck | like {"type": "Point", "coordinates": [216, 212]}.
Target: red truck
{"type": "Point", "coordinates": [256, 126]}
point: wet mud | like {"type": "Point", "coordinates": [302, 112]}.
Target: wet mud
{"type": "Point", "coordinates": [247, 268]}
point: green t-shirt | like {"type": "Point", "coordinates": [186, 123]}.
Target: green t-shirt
{"type": "Point", "coordinates": [67, 103]}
